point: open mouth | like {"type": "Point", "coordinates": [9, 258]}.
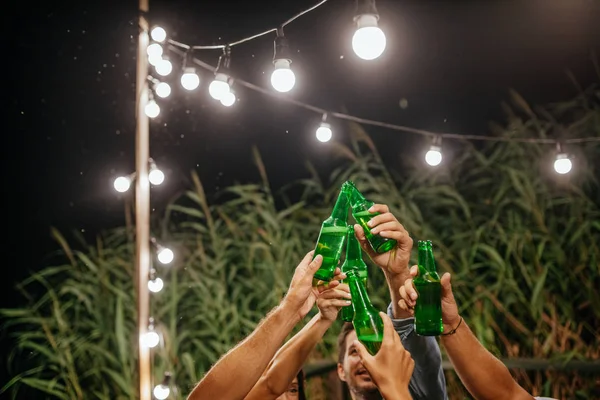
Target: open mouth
{"type": "Point", "coordinates": [363, 373]}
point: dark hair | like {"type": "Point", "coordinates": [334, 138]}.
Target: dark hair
{"type": "Point", "coordinates": [346, 329]}
{"type": "Point", "coordinates": [300, 377]}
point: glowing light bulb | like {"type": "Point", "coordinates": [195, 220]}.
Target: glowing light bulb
{"type": "Point", "coordinates": [154, 60]}
{"type": "Point", "coordinates": [283, 78]}
{"type": "Point", "coordinates": [156, 176]}
{"type": "Point", "coordinates": [190, 79]}
{"type": "Point", "coordinates": [150, 339]}
{"type": "Point", "coordinates": [154, 50]}
{"type": "Point", "coordinates": [324, 132]}
{"type": "Point", "coordinates": [369, 40]}
{"type": "Point", "coordinates": [122, 184]}
{"type": "Point", "coordinates": [158, 34]}
{"type": "Point", "coordinates": [162, 90]}
{"type": "Point", "coordinates": [155, 285]}
{"type": "Point", "coordinates": [152, 109]}
{"type": "Point", "coordinates": [161, 391]}
{"type": "Point", "coordinates": [165, 255]}
{"type": "Point", "coordinates": [563, 164]}
{"type": "Point", "coordinates": [434, 156]}
{"type": "Point", "coordinates": [219, 87]}
{"type": "Point", "coordinates": [228, 99]}
{"type": "Point", "coordinates": [163, 67]}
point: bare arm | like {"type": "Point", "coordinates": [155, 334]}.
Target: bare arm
{"type": "Point", "coordinates": [234, 375]}
{"type": "Point", "coordinates": [484, 376]}
{"type": "Point", "coordinates": [289, 359]}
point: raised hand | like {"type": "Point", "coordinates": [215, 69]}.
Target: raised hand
{"type": "Point", "coordinates": [301, 296]}
{"type": "Point", "coordinates": [392, 367]}
{"type": "Point", "coordinates": [333, 297]}
{"type": "Point", "coordinates": [385, 224]}
{"type": "Point", "coordinates": [409, 296]}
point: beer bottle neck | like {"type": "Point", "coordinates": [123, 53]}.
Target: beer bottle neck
{"type": "Point", "coordinates": [426, 259]}
{"type": "Point", "coordinates": [360, 298]}
{"type": "Point", "coordinates": [355, 197]}
{"type": "Point", "coordinates": [353, 250]}
{"type": "Point", "coordinates": [340, 209]}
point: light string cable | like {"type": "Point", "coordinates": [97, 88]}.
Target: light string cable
{"type": "Point", "coordinates": [183, 50]}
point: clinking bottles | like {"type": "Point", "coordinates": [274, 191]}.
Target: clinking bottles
{"type": "Point", "coordinates": [360, 212]}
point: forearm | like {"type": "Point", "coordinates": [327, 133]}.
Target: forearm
{"type": "Point", "coordinates": [235, 374]}
{"type": "Point", "coordinates": [394, 393]}
{"type": "Point", "coordinates": [484, 376]}
{"type": "Point", "coordinates": [395, 281]}
{"type": "Point", "coordinates": [289, 360]}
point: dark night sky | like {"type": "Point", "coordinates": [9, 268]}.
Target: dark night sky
{"type": "Point", "coordinates": [69, 114]}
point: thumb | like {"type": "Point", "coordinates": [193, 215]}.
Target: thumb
{"type": "Point", "coordinates": [315, 264]}
{"type": "Point", "coordinates": [447, 287]}
{"type": "Point", "coordinates": [366, 358]}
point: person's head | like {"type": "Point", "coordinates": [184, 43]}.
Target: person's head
{"type": "Point", "coordinates": [350, 369]}
{"type": "Point", "coordinates": [296, 389]}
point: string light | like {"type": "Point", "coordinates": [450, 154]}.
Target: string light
{"type": "Point", "coordinates": [324, 133]}
{"type": "Point", "coordinates": [122, 184]}
{"type": "Point", "coordinates": [562, 164]}
{"type": "Point", "coordinates": [219, 87]}
{"type": "Point", "coordinates": [190, 79]}
{"type": "Point", "coordinates": [165, 255]}
{"type": "Point", "coordinates": [228, 99]}
{"type": "Point", "coordinates": [434, 156]}
{"type": "Point", "coordinates": [158, 34]}
{"type": "Point", "coordinates": [162, 390]}
{"type": "Point", "coordinates": [162, 89]}
{"type": "Point", "coordinates": [164, 67]}
{"type": "Point", "coordinates": [155, 285]}
{"type": "Point", "coordinates": [151, 338]}
{"type": "Point", "coordinates": [155, 176]}
{"type": "Point", "coordinates": [152, 109]}
{"type": "Point", "coordinates": [369, 40]}
{"type": "Point", "coordinates": [282, 78]}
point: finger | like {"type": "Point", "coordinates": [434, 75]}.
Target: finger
{"type": "Point", "coordinates": [380, 208]}
{"type": "Point", "coordinates": [339, 276]}
{"type": "Point", "coordinates": [366, 358]}
{"type": "Point", "coordinates": [414, 270]}
{"type": "Point", "coordinates": [405, 298]}
{"type": "Point", "coordinates": [447, 286]}
{"type": "Point", "coordinates": [402, 304]}
{"type": "Point", "coordinates": [315, 264]}
{"type": "Point", "coordinates": [389, 333]}
{"type": "Point", "coordinates": [337, 271]}
{"type": "Point", "coordinates": [334, 303]}
{"type": "Point", "coordinates": [307, 257]}
{"type": "Point", "coordinates": [362, 239]}
{"type": "Point", "coordinates": [380, 219]}
{"type": "Point", "coordinates": [386, 226]}
{"type": "Point", "coordinates": [411, 292]}
{"type": "Point", "coordinates": [335, 294]}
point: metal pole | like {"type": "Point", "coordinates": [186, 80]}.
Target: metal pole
{"type": "Point", "coordinates": [142, 204]}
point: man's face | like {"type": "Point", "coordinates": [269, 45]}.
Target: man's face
{"type": "Point", "coordinates": [352, 371]}
{"type": "Point", "coordinates": [292, 392]}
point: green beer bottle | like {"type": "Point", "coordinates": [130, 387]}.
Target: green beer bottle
{"type": "Point", "coordinates": [331, 238]}
{"type": "Point", "coordinates": [353, 261]}
{"type": "Point", "coordinates": [360, 212]}
{"type": "Point", "coordinates": [428, 308]}
{"type": "Point", "coordinates": [367, 321]}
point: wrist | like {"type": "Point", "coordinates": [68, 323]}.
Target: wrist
{"type": "Point", "coordinates": [395, 391]}
{"type": "Point", "coordinates": [451, 325]}
{"type": "Point", "coordinates": [289, 311]}
{"type": "Point", "coordinates": [324, 321]}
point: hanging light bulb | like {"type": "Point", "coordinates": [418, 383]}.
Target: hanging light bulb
{"type": "Point", "coordinates": [158, 34]}
{"type": "Point", "coordinates": [155, 285]}
{"type": "Point", "coordinates": [155, 176]}
{"type": "Point", "coordinates": [282, 78]}
{"type": "Point", "coordinates": [150, 338]}
{"type": "Point", "coordinates": [563, 164]}
{"type": "Point", "coordinates": [219, 87]}
{"type": "Point", "coordinates": [122, 184]}
{"type": "Point", "coordinates": [152, 109]}
{"type": "Point", "coordinates": [162, 390]}
{"type": "Point", "coordinates": [434, 156]}
{"type": "Point", "coordinates": [165, 255]}
{"type": "Point", "coordinates": [154, 50]}
{"type": "Point", "coordinates": [324, 132]}
{"type": "Point", "coordinates": [228, 99]}
{"type": "Point", "coordinates": [162, 89]}
{"type": "Point", "coordinates": [164, 67]}
{"type": "Point", "coordinates": [190, 79]}
{"type": "Point", "coordinates": [369, 40]}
